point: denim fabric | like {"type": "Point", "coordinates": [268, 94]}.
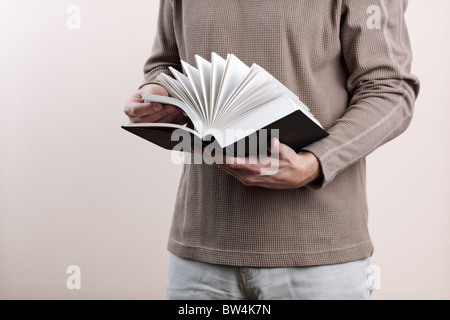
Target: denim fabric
{"type": "Point", "coordinates": [194, 280]}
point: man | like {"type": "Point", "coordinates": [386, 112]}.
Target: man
{"type": "Point", "coordinates": [301, 233]}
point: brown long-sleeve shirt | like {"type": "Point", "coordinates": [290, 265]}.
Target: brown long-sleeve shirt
{"type": "Point", "coordinates": [349, 62]}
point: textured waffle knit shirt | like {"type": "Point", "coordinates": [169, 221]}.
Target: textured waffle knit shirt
{"type": "Point", "coordinates": [349, 62]}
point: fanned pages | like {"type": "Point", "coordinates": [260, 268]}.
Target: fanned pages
{"type": "Point", "coordinates": [205, 68]}
{"type": "Point", "coordinates": [217, 70]}
{"type": "Point", "coordinates": [226, 94]}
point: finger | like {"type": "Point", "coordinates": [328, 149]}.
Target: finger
{"type": "Point", "coordinates": [181, 119]}
{"type": "Point", "coordinates": [234, 161]}
{"type": "Point", "coordinates": [252, 169]}
{"type": "Point", "coordinates": [139, 109]}
{"type": "Point", "coordinates": [171, 109]}
{"type": "Point", "coordinates": [167, 115]}
{"type": "Point", "coordinates": [247, 179]}
{"type": "Point", "coordinates": [274, 146]}
{"type": "Point", "coordinates": [249, 164]}
{"type": "Point", "coordinates": [153, 89]}
{"type": "Point", "coordinates": [279, 149]}
{"type": "Point", "coordinates": [145, 119]}
{"type": "Point", "coordinates": [168, 118]}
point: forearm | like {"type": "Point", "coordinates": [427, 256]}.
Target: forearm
{"type": "Point", "coordinates": [382, 89]}
{"type": "Point", "coordinates": [367, 125]}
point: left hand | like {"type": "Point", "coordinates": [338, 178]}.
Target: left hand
{"type": "Point", "coordinates": [295, 170]}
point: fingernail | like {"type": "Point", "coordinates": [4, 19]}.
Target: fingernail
{"type": "Point", "coordinates": [157, 106]}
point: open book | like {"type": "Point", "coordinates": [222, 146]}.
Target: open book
{"type": "Point", "coordinates": [228, 102]}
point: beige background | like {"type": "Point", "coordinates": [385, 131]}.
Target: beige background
{"type": "Point", "coordinates": [77, 189]}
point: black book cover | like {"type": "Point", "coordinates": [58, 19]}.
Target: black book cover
{"type": "Point", "coordinates": [295, 130]}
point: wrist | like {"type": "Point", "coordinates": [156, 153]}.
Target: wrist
{"type": "Point", "coordinates": [309, 167]}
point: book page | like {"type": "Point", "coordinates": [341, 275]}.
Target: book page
{"type": "Point", "coordinates": [303, 108]}
{"type": "Point", "coordinates": [235, 72]}
{"type": "Point", "coordinates": [256, 119]}
{"type": "Point", "coordinates": [254, 94]}
{"type": "Point", "coordinates": [189, 90]}
{"type": "Point", "coordinates": [191, 114]}
{"type": "Point", "coordinates": [204, 68]}
{"type": "Point", "coordinates": [253, 84]}
{"type": "Point", "coordinates": [217, 69]}
{"type": "Point", "coordinates": [288, 92]}
{"type": "Point", "coordinates": [174, 88]}
{"type": "Point", "coordinates": [243, 86]}
{"type": "Point", "coordinates": [194, 77]}
{"type": "Point", "coordinates": [262, 95]}
{"type": "Point", "coordinates": [227, 94]}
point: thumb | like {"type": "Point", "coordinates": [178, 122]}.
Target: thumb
{"type": "Point", "coordinates": [274, 147]}
{"type": "Point", "coordinates": [280, 149]}
{"type": "Point", "coordinates": [153, 88]}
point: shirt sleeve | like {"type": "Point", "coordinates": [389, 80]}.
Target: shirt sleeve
{"type": "Point", "coordinates": [377, 53]}
{"type": "Point", "coordinates": [165, 50]}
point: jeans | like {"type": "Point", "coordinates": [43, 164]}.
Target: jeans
{"type": "Point", "coordinates": [194, 280]}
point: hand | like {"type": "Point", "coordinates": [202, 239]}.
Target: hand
{"type": "Point", "coordinates": [139, 111]}
{"type": "Point", "coordinates": [294, 170]}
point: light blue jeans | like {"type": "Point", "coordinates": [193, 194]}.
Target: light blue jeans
{"type": "Point", "coordinates": [194, 280]}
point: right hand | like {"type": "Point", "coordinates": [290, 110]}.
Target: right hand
{"type": "Point", "coordinates": [140, 111]}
